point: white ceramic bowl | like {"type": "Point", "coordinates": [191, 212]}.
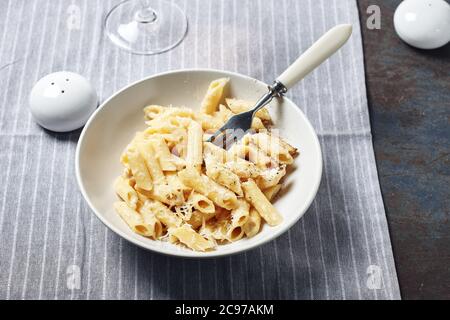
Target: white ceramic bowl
{"type": "Point", "coordinates": [115, 122]}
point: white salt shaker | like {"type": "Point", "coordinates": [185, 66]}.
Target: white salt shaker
{"type": "Point", "coordinates": [423, 24]}
{"type": "Point", "coordinates": [62, 101]}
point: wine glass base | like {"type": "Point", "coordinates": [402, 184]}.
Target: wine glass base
{"type": "Point", "coordinates": [143, 30]}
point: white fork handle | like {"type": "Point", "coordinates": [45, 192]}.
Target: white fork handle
{"type": "Point", "coordinates": [320, 51]}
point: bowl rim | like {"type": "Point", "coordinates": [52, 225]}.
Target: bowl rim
{"type": "Point", "coordinates": [185, 253]}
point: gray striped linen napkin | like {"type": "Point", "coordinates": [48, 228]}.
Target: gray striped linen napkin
{"type": "Point", "coordinates": [53, 247]}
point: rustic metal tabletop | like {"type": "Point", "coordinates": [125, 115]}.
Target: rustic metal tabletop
{"type": "Point", "coordinates": [409, 103]}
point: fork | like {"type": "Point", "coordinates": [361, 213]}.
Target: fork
{"type": "Point", "coordinates": [238, 125]}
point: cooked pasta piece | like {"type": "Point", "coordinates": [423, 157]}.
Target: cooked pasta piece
{"type": "Point", "coordinates": [142, 197]}
{"type": "Point", "coordinates": [174, 139]}
{"type": "Point", "coordinates": [257, 124]}
{"type": "Point", "coordinates": [241, 167]}
{"type": "Point", "coordinates": [211, 150]}
{"type": "Point", "coordinates": [148, 154]}
{"type": "Point", "coordinates": [174, 180]}
{"type": "Point", "coordinates": [201, 203]}
{"type": "Point", "coordinates": [152, 223]}
{"type": "Point", "coordinates": [126, 192]}
{"type": "Point", "coordinates": [271, 177]}
{"type": "Point", "coordinates": [209, 188]}
{"type": "Point", "coordinates": [194, 156]}
{"type": "Point", "coordinates": [271, 147]}
{"type": "Point", "coordinates": [208, 122]}
{"type": "Point", "coordinates": [272, 191]}
{"type": "Point", "coordinates": [167, 161]}
{"type": "Point", "coordinates": [239, 106]}
{"type": "Point", "coordinates": [235, 233]}
{"type": "Point", "coordinates": [213, 95]}
{"type": "Point", "coordinates": [192, 239]}
{"type": "Point", "coordinates": [139, 169]}
{"type": "Point", "coordinates": [180, 149]}
{"type": "Point", "coordinates": [198, 218]}
{"type": "Point", "coordinates": [216, 229]}
{"type": "Point", "coordinates": [184, 211]}
{"type": "Point", "coordinates": [253, 224]}
{"type": "Point", "coordinates": [239, 215]}
{"type": "Point", "coordinates": [166, 194]}
{"type": "Point", "coordinates": [238, 151]}
{"type": "Point", "coordinates": [163, 214]}
{"type": "Point", "coordinates": [258, 157]}
{"type": "Point", "coordinates": [223, 175]}
{"type": "Point", "coordinates": [154, 111]}
{"type": "Point", "coordinates": [284, 144]}
{"type": "Point", "coordinates": [132, 218]}
{"type": "Point", "coordinates": [223, 114]}
{"type": "Point", "coordinates": [257, 199]}
{"type": "Point", "coordinates": [168, 121]}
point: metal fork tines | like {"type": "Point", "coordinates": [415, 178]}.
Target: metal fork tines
{"type": "Point", "coordinates": [321, 50]}
{"type": "Point", "coordinates": [240, 124]}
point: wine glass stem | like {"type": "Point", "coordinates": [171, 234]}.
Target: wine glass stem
{"type": "Point", "coordinates": [146, 14]}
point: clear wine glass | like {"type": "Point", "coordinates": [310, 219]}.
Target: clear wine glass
{"type": "Point", "coordinates": [146, 26]}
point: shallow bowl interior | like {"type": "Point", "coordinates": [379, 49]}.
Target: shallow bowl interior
{"type": "Point", "coordinates": [115, 122]}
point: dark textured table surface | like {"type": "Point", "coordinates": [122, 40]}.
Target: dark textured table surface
{"type": "Point", "coordinates": [409, 103]}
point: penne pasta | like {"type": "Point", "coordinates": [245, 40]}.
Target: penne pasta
{"type": "Point", "coordinates": [126, 192]}
{"type": "Point", "coordinates": [174, 180]}
{"type": "Point", "coordinates": [271, 177]}
{"type": "Point", "coordinates": [213, 96]}
{"type": "Point", "coordinates": [272, 191]}
{"type": "Point", "coordinates": [146, 150]}
{"type": "Point", "coordinates": [194, 155]}
{"type": "Point", "coordinates": [166, 194]}
{"type": "Point", "coordinates": [162, 213]}
{"type": "Point", "coordinates": [223, 114]}
{"type": "Point", "coordinates": [234, 233]}
{"type": "Point", "coordinates": [239, 106]}
{"type": "Point", "coordinates": [272, 148]}
{"type": "Point", "coordinates": [184, 211]}
{"type": "Point", "coordinates": [167, 161]}
{"type": "Point", "coordinates": [238, 151]}
{"type": "Point", "coordinates": [253, 224]}
{"type": "Point", "coordinates": [198, 218]}
{"type": "Point", "coordinates": [132, 218]}
{"type": "Point", "coordinates": [168, 121]}
{"type": "Point", "coordinates": [257, 199]}
{"type": "Point", "coordinates": [201, 203]}
{"type": "Point", "coordinates": [191, 239]}
{"type": "Point", "coordinates": [223, 175]}
{"type": "Point", "coordinates": [153, 225]}
{"type": "Point", "coordinates": [284, 144]}
{"type": "Point", "coordinates": [154, 111]}
{"type": "Point", "coordinates": [258, 157]}
{"type": "Point", "coordinates": [204, 185]}
{"type": "Point", "coordinates": [241, 167]}
{"type": "Point", "coordinates": [177, 188]}
{"type": "Point", "coordinates": [239, 216]}
{"type": "Point", "coordinates": [208, 122]}
{"type": "Point", "coordinates": [217, 230]}
{"type": "Point", "coordinates": [142, 197]}
{"type": "Point", "coordinates": [257, 124]}
{"type": "Point", "coordinates": [139, 169]}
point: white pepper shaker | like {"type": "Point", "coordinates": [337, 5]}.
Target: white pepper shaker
{"type": "Point", "coordinates": [62, 101]}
